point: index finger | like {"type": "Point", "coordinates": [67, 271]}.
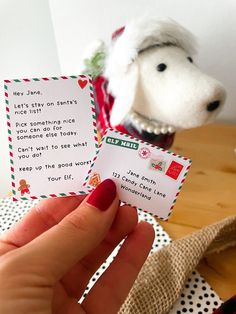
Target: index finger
{"type": "Point", "coordinates": [41, 217]}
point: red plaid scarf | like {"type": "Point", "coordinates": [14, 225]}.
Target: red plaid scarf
{"type": "Point", "coordinates": [104, 104]}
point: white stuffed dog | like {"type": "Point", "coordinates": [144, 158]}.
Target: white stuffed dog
{"type": "Point", "coordinates": [147, 84]}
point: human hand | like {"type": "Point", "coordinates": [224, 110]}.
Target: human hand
{"type": "Point", "coordinates": [48, 258]}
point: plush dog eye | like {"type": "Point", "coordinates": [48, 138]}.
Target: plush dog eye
{"type": "Point", "coordinates": [190, 59]}
{"type": "Point", "coordinates": [161, 67]}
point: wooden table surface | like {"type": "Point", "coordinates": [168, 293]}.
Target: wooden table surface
{"type": "Point", "coordinates": [208, 195]}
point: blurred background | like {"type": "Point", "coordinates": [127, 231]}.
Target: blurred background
{"type": "Point", "coordinates": [48, 38]}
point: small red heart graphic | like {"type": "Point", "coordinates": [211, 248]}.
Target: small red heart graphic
{"type": "Point", "coordinates": [82, 83]}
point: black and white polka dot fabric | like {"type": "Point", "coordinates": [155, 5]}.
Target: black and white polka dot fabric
{"type": "Point", "coordinates": [197, 297]}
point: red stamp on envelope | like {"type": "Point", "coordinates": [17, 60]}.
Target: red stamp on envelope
{"type": "Point", "coordinates": [174, 170]}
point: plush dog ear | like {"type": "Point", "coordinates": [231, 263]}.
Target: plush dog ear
{"type": "Point", "coordinates": [125, 97]}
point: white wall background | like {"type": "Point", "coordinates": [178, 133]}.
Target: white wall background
{"type": "Point", "coordinates": [48, 37]}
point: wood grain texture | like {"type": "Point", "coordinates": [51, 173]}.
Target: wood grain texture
{"type": "Point", "coordinates": [208, 195]}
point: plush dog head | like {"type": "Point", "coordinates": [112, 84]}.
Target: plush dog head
{"type": "Point", "coordinates": [156, 84]}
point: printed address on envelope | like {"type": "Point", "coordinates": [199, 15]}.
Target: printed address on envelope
{"type": "Point", "coordinates": [51, 135]}
{"type": "Point", "coordinates": [147, 177]}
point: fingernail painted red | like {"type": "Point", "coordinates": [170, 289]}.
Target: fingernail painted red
{"type": "Point", "coordinates": [103, 196]}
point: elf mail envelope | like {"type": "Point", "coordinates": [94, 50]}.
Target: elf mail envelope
{"type": "Point", "coordinates": [146, 176]}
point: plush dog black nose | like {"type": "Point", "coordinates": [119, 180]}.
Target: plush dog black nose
{"type": "Point", "coordinates": [213, 105]}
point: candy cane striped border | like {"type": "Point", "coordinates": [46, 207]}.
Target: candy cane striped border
{"type": "Point", "coordinates": [26, 80]}
{"type": "Point", "coordinates": [158, 148]}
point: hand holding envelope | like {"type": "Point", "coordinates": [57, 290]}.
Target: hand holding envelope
{"type": "Point", "coordinates": [54, 150]}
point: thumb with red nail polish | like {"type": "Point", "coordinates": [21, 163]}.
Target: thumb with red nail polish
{"type": "Point", "coordinates": [103, 196]}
